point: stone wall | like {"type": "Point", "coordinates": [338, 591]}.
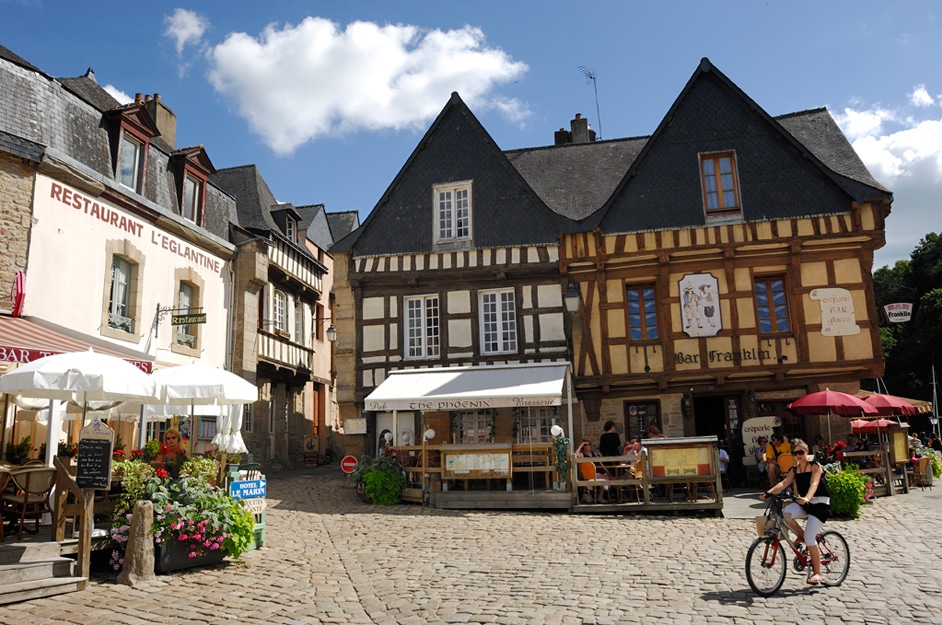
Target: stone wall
{"type": "Point", "coordinates": [16, 195]}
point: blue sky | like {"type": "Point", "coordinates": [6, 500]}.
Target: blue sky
{"type": "Point", "coordinates": [330, 98]}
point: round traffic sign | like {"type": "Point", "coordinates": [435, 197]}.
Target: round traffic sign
{"type": "Point", "coordinates": [348, 464]}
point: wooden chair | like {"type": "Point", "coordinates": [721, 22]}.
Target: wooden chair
{"type": "Point", "coordinates": [33, 486]}
{"type": "Point", "coordinates": [920, 474]}
{"type": "Point", "coordinates": [4, 480]}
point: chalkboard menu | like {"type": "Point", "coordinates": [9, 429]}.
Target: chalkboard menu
{"type": "Point", "coordinates": [94, 464]}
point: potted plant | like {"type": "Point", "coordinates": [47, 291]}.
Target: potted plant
{"type": "Point", "coordinates": [232, 462]}
{"type": "Point", "coordinates": [380, 480]}
{"type": "Point", "coordinates": [18, 453]}
{"type": "Point", "coordinates": [67, 450]}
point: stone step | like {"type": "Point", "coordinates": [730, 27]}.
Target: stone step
{"type": "Point", "coordinates": [24, 591]}
{"type": "Point", "coordinates": [33, 571]}
{"type": "Point", "coordinates": [15, 552]}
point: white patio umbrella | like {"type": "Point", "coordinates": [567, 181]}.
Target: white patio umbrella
{"type": "Point", "coordinates": [199, 384]}
{"type": "Point", "coordinates": [78, 376]}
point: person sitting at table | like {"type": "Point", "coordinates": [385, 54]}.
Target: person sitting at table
{"type": "Point", "coordinates": [634, 448]}
{"type": "Point", "coordinates": [935, 443]}
{"type": "Point", "coordinates": [601, 473]}
{"type": "Point", "coordinates": [779, 457]}
{"type": "Point", "coordinates": [760, 455]}
{"type": "Point", "coordinates": [655, 432]}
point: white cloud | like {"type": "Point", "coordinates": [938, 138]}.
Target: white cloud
{"type": "Point", "coordinates": [920, 97]}
{"type": "Point", "coordinates": [905, 154]}
{"type": "Point", "coordinates": [117, 94]}
{"type": "Point", "coordinates": [297, 83]}
{"type": "Point", "coordinates": [185, 28]}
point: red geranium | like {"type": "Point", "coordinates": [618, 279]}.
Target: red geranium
{"type": "Point", "coordinates": [162, 472]}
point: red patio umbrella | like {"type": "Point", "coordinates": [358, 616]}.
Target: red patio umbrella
{"type": "Point", "coordinates": [872, 427]}
{"type": "Point", "coordinates": [828, 402]}
{"type": "Point", "coordinates": [890, 405]}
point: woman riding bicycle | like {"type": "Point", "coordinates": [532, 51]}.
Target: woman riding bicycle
{"type": "Point", "coordinates": [812, 501]}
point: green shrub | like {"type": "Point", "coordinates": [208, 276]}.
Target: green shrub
{"type": "Point", "coordinates": [383, 479]}
{"type": "Point", "coordinates": [847, 491]}
{"type": "Point", "coordinates": [150, 450]}
{"type": "Point", "coordinates": [203, 468]}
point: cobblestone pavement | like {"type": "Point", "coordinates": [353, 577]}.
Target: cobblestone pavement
{"type": "Point", "coordinates": [330, 558]}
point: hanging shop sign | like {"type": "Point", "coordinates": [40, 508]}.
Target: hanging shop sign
{"type": "Point", "coordinates": [898, 313]}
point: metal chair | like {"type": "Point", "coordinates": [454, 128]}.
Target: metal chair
{"type": "Point", "coordinates": [33, 486]}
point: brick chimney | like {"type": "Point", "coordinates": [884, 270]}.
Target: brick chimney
{"type": "Point", "coordinates": [163, 117]}
{"type": "Point", "coordinates": [580, 133]}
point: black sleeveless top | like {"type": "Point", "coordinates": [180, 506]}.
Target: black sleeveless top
{"type": "Point", "coordinates": [803, 483]}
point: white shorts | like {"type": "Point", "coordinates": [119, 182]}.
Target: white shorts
{"type": "Point", "coordinates": [812, 526]}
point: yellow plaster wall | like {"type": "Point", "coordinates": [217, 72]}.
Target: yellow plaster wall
{"type": "Point", "coordinates": [847, 271]}
{"type": "Point", "coordinates": [814, 274]}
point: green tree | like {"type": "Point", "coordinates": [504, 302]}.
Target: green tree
{"type": "Point", "coordinates": [909, 348]}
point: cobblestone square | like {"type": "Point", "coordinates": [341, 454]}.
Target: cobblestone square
{"type": "Point", "coordinates": [329, 558]}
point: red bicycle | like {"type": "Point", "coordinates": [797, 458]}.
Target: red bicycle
{"type": "Point", "coordinates": [766, 563]}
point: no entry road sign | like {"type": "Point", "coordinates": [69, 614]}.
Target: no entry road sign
{"type": "Point", "coordinates": [348, 464]}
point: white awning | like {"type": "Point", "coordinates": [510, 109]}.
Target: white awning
{"type": "Point", "coordinates": [471, 388]}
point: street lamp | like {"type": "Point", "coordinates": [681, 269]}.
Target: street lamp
{"type": "Point", "coordinates": [571, 298]}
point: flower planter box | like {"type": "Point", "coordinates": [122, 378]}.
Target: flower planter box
{"type": "Point", "coordinates": [173, 555]}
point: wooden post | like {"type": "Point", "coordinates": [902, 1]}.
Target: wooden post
{"type": "Point", "coordinates": [86, 523]}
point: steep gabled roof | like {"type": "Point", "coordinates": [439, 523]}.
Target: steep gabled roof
{"type": "Point", "coordinates": [505, 210]}
{"type": "Point", "coordinates": [314, 223]}
{"type": "Point", "coordinates": [779, 176]}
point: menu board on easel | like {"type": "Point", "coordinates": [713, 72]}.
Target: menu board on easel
{"type": "Point", "coordinates": [96, 443]}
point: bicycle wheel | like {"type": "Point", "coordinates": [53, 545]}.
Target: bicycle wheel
{"type": "Point", "coordinates": [835, 558]}
{"type": "Point", "coordinates": [766, 566]}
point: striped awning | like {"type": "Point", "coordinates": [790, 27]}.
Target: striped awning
{"type": "Point", "coordinates": [24, 340]}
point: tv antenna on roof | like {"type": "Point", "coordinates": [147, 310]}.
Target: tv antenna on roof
{"type": "Point", "coordinates": [593, 76]}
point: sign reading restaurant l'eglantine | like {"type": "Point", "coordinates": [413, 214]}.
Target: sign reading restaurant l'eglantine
{"type": "Point", "coordinates": [56, 194]}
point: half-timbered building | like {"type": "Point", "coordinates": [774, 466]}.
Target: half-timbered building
{"type": "Point", "coordinates": [449, 303]}
{"type": "Point", "coordinates": [729, 272]}
{"type": "Point", "coordinates": [279, 299]}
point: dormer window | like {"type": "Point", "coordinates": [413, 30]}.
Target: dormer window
{"type": "Point", "coordinates": [130, 129]}
{"type": "Point", "coordinates": [291, 230]}
{"type": "Point", "coordinates": [192, 198]}
{"type": "Point", "coordinates": [452, 211]}
{"type": "Point", "coordinates": [191, 168]}
{"type": "Point", "coordinates": [130, 162]}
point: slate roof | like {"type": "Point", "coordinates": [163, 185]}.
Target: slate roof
{"type": "Point", "coordinates": [86, 87]}
{"type": "Point", "coordinates": [818, 132]}
{"type": "Point", "coordinates": [505, 210]}
{"type": "Point", "coordinates": [342, 223]}
{"type": "Point", "coordinates": [254, 200]}
{"type": "Point", "coordinates": [9, 55]}
{"type": "Point", "coordinates": [20, 147]}
{"type": "Point", "coordinates": [255, 204]}
{"type": "Point", "coordinates": [314, 223]}
{"type": "Point", "coordinates": [575, 179]}
{"type": "Point", "coordinates": [641, 183]}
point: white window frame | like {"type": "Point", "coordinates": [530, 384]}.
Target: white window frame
{"type": "Point", "coordinates": [298, 321]}
{"type": "Point", "coordinates": [129, 166]}
{"type": "Point", "coordinates": [422, 326]}
{"type": "Point", "coordinates": [192, 192]}
{"type": "Point", "coordinates": [498, 319]}
{"type": "Point", "coordinates": [186, 302]}
{"type": "Point", "coordinates": [279, 310]}
{"type": "Point", "coordinates": [119, 304]}
{"type": "Point", "coordinates": [291, 230]}
{"type": "Point", "coordinates": [453, 205]}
